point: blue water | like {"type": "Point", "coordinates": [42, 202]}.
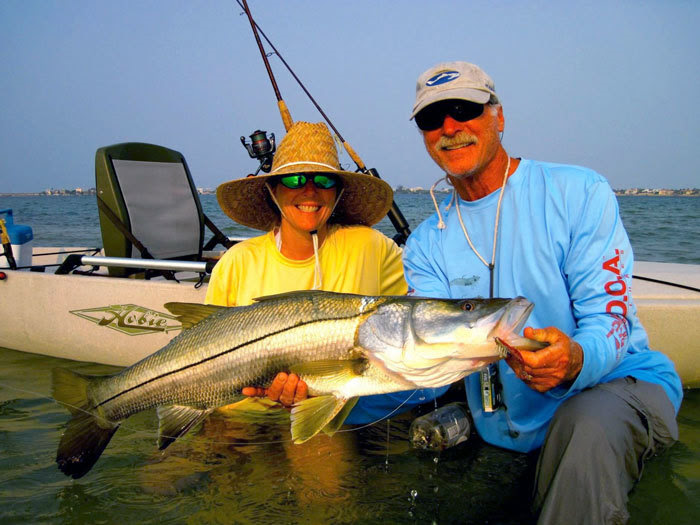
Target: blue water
{"type": "Point", "coordinates": [366, 476]}
{"type": "Point", "coordinates": [664, 229]}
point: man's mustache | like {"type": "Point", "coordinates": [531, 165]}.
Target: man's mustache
{"type": "Point", "coordinates": [462, 138]}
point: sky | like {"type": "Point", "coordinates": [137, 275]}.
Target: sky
{"type": "Point", "coordinates": [609, 84]}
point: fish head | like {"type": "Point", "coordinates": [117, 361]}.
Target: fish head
{"type": "Point", "coordinates": [469, 328]}
{"type": "Point", "coordinates": [434, 342]}
{"type": "Point", "coordinates": [464, 321]}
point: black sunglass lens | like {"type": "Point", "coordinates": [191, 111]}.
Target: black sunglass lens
{"type": "Point", "coordinates": [430, 118]}
{"type": "Point", "coordinates": [463, 111]}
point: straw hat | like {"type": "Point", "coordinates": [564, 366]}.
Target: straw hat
{"type": "Point", "coordinates": [307, 148]}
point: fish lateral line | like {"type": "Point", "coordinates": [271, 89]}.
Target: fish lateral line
{"type": "Point", "coordinates": [212, 357]}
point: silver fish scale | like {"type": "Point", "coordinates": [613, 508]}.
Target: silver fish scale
{"type": "Point", "coordinates": [207, 365]}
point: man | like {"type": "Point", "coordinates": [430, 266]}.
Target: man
{"type": "Point", "coordinates": [597, 399]}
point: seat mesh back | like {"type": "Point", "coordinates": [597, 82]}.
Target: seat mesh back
{"type": "Point", "coordinates": [161, 207]}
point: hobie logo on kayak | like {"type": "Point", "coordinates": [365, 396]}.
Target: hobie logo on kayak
{"type": "Point", "coordinates": [130, 319]}
{"type": "Point", "coordinates": [442, 77]}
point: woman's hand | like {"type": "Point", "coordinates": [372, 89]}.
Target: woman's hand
{"type": "Point", "coordinates": [287, 389]}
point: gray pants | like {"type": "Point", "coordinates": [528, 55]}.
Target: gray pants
{"type": "Point", "coordinates": [595, 448]}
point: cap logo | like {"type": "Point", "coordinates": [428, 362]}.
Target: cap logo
{"type": "Point", "coordinates": [442, 78]}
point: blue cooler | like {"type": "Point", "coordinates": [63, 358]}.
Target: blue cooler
{"type": "Point", "coordinates": [21, 240]}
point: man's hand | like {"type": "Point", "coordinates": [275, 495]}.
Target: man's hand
{"type": "Point", "coordinates": [544, 369]}
{"type": "Point", "coordinates": [286, 388]}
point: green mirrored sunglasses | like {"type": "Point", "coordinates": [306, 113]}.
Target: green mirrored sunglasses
{"type": "Point", "coordinates": [322, 181]}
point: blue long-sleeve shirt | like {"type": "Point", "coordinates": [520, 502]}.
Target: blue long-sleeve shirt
{"type": "Point", "coordinates": [562, 245]}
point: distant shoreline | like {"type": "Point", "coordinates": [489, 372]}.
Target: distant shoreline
{"type": "Point", "coordinates": [619, 193]}
{"type": "Point", "coordinates": [40, 194]}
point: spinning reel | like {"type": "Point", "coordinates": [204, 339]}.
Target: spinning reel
{"type": "Point", "coordinates": [261, 148]}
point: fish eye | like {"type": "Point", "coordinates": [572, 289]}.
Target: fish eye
{"type": "Point", "coordinates": [467, 306]}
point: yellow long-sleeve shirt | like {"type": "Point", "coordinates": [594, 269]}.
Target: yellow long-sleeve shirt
{"type": "Point", "coordinates": [353, 259]}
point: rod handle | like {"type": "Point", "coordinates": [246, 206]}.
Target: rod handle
{"type": "Point", "coordinates": [284, 113]}
{"type": "Point", "coordinates": [354, 156]}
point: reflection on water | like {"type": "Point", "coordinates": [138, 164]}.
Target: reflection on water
{"type": "Point", "coordinates": [243, 469]}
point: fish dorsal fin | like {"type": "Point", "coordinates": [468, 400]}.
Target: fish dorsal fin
{"type": "Point", "coordinates": [300, 294]}
{"type": "Point", "coordinates": [335, 372]}
{"type": "Point", "coordinates": [313, 414]}
{"type": "Point", "coordinates": [175, 421]}
{"type": "Point", "coordinates": [189, 314]}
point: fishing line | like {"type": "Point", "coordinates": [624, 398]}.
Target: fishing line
{"type": "Point", "coordinates": [381, 418]}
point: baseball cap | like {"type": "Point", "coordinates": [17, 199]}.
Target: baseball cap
{"type": "Point", "coordinates": [447, 80]}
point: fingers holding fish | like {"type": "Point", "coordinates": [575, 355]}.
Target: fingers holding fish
{"type": "Point", "coordinates": [538, 380]}
{"type": "Point", "coordinates": [293, 390]}
{"type": "Point", "coordinates": [253, 391]}
{"type": "Point", "coordinates": [274, 391]}
{"type": "Point", "coordinates": [551, 366]}
{"type": "Point", "coordinates": [301, 392]}
{"type": "Point", "coordinates": [286, 389]}
{"type": "Point", "coordinates": [524, 373]}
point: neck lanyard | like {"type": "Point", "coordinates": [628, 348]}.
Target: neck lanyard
{"type": "Point", "coordinates": [491, 265]}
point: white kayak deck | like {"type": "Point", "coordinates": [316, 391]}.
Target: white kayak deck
{"type": "Point", "coordinates": [671, 315]}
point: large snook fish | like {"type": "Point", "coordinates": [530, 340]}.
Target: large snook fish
{"type": "Point", "coordinates": [342, 345]}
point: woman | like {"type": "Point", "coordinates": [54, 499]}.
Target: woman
{"type": "Point", "coordinates": [317, 218]}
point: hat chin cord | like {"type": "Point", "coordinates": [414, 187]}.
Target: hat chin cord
{"type": "Point", "coordinates": [318, 276]}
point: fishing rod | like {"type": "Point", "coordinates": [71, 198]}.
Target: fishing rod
{"type": "Point", "coordinates": [284, 110]}
{"type": "Point", "coordinates": [395, 216]}
{"type": "Point", "coordinates": [667, 283]}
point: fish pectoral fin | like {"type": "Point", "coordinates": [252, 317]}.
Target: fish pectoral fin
{"type": "Point", "coordinates": [335, 423]}
{"type": "Point", "coordinates": [335, 372]}
{"type": "Point", "coordinates": [313, 414]}
{"type": "Point", "coordinates": [189, 314]}
{"type": "Point", "coordinates": [175, 421]}
{"type": "Point", "coordinates": [250, 404]}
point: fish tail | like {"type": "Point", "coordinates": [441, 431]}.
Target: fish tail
{"type": "Point", "coordinates": [87, 433]}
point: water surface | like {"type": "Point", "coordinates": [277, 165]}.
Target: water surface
{"type": "Point", "coordinates": [664, 229]}
{"type": "Point", "coordinates": [369, 475]}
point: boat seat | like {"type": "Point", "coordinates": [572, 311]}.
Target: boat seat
{"type": "Point", "coordinates": [148, 205]}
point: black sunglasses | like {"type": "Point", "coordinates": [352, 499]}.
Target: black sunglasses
{"type": "Point", "coordinates": [295, 181]}
{"type": "Point", "coordinates": [431, 117]}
